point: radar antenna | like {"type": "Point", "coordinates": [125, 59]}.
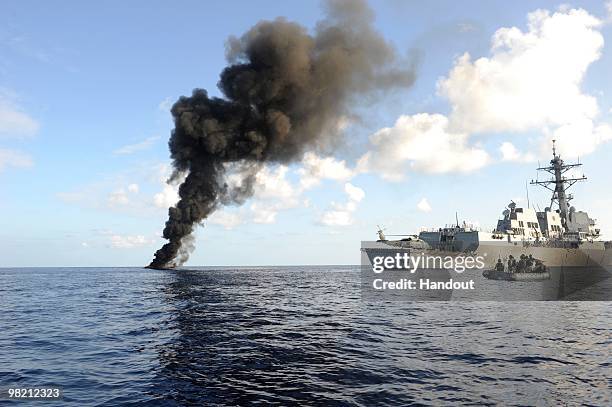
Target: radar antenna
{"type": "Point", "coordinates": [381, 233]}
{"type": "Point", "coordinates": [560, 183]}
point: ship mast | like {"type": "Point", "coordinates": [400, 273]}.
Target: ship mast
{"type": "Point", "coordinates": [560, 184]}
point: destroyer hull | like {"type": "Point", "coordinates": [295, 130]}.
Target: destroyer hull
{"type": "Point", "coordinates": [571, 269]}
{"type": "Point", "coordinates": [581, 257]}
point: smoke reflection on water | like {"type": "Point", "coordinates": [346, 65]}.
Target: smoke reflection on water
{"type": "Point", "coordinates": [304, 334]}
{"type": "Point", "coordinates": [288, 335]}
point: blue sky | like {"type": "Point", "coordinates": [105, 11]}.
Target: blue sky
{"type": "Point", "coordinates": [84, 121]}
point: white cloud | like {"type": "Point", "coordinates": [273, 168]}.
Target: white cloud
{"type": "Point", "coordinates": [532, 81]}
{"type": "Point", "coordinates": [510, 153]}
{"type": "Point", "coordinates": [13, 158]}
{"type": "Point", "coordinates": [133, 148]}
{"type": "Point", "coordinates": [276, 188]}
{"type": "Point", "coordinates": [273, 193]}
{"type": "Point", "coordinates": [315, 168]}
{"type": "Point", "coordinates": [118, 197]}
{"type": "Point", "coordinates": [609, 10]}
{"type": "Point", "coordinates": [262, 213]}
{"type": "Point", "coordinates": [169, 194]}
{"type": "Point", "coordinates": [466, 27]}
{"type": "Point", "coordinates": [271, 183]}
{"type": "Point", "coordinates": [354, 193]}
{"type": "Point", "coordinates": [578, 138]}
{"type": "Point", "coordinates": [424, 205]}
{"type": "Point", "coordinates": [127, 191]}
{"type": "Point", "coordinates": [226, 219]}
{"type": "Point", "coordinates": [167, 197]}
{"type": "Point", "coordinates": [423, 143]}
{"type": "Point", "coordinates": [13, 121]}
{"type": "Point", "coordinates": [121, 196]}
{"type": "Point", "coordinates": [165, 105]}
{"type": "Point", "coordinates": [129, 241]}
{"type": "Point", "coordinates": [342, 214]}
{"type": "Point", "coordinates": [338, 217]}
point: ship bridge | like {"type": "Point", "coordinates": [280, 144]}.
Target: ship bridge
{"type": "Point", "coordinates": [562, 223]}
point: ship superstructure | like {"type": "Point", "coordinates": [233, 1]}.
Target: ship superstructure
{"type": "Point", "coordinates": [562, 237]}
{"type": "Point", "coordinates": [563, 226]}
{"type": "Point", "coordinates": [575, 225]}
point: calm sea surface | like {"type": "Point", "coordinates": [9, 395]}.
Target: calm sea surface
{"type": "Point", "coordinates": [288, 335]}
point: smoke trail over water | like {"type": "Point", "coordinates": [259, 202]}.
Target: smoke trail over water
{"type": "Point", "coordinates": [285, 91]}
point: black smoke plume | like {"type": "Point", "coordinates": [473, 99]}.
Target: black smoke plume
{"type": "Point", "coordinates": [284, 92]}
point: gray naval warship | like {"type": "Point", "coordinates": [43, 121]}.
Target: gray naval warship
{"type": "Point", "coordinates": [562, 243]}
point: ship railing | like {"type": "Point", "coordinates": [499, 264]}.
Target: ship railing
{"type": "Point", "coordinates": [557, 244]}
{"type": "Point", "coordinates": [467, 228]}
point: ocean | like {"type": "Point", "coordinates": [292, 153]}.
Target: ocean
{"type": "Point", "coordinates": [288, 336]}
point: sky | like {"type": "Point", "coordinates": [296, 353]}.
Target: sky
{"type": "Point", "coordinates": [86, 89]}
